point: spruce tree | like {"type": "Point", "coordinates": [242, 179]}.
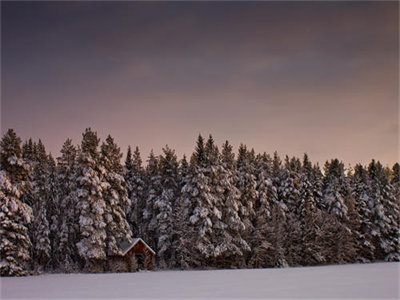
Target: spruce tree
{"type": "Point", "coordinates": [235, 246]}
{"type": "Point", "coordinates": [128, 174]}
{"type": "Point", "coordinates": [14, 242]}
{"type": "Point", "coordinates": [308, 212]}
{"type": "Point", "coordinates": [317, 185]}
{"type": "Point", "coordinates": [154, 190]}
{"type": "Point", "coordinates": [184, 168]}
{"type": "Point", "coordinates": [29, 154]}
{"type": "Point", "coordinates": [227, 246]}
{"type": "Point", "coordinates": [15, 215]}
{"type": "Point", "coordinates": [269, 250]}
{"type": "Point", "coordinates": [164, 207]}
{"type": "Point", "coordinates": [90, 204]}
{"type": "Point", "coordinates": [136, 179]}
{"type": "Point", "coordinates": [289, 185]}
{"type": "Point", "coordinates": [385, 214]}
{"type": "Point", "coordinates": [277, 175]}
{"type": "Point", "coordinates": [11, 160]}
{"type": "Point", "coordinates": [181, 228]}
{"type": "Point", "coordinates": [395, 182]}
{"type": "Point", "coordinates": [41, 197]}
{"type": "Point", "coordinates": [66, 250]}
{"type": "Point", "coordinates": [216, 176]}
{"type": "Point", "coordinates": [53, 209]}
{"type": "Point", "coordinates": [265, 189]}
{"type": "Point", "coordinates": [337, 201]}
{"type": "Point", "coordinates": [197, 208]}
{"type": "Point", "coordinates": [395, 174]}
{"type": "Point", "coordinates": [361, 192]}
{"type": "Point", "coordinates": [115, 197]}
{"type": "Point", "coordinates": [289, 194]}
{"type": "Point", "coordinates": [247, 185]}
{"type": "Point", "coordinates": [335, 188]}
{"type": "Point", "coordinates": [263, 208]}
{"type": "Point", "coordinates": [307, 184]}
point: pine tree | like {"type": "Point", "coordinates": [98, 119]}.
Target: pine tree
{"type": "Point", "coordinates": [277, 174]}
{"type": "Point", "coordinates": [289, 194]}
{"type": "Point", "coordinates": [289, 185]}
{"type": "Point", "coordinates": [66, 250]}
{"type": "Point", "coordinates": [11, 160]}
{"type": "Point", "coordinates": [14, 218]}
{"type": "Point", "coordinates": [265, 188]}
{"type": "Point", "coordinates": [53, 209]}
{"type": "Point", "coordinates": [90, 204]}
{"type": "Point", "coordinates": [308, 212]}
{"type": "Point", "coordinates": [226, 245]}
{"type": "Point", "coordinates": [154, 190]}
{"type": "Point", "coordinates": [385, 214]}
{"type": "Point", "coordinates": [183, 171]}
{"type": "Point", "coordinates": [115, 197]}
{"type": "Point", "coordinates": [306, 188]}
{"type": "Point", "coordinates": [216, 176]}
{"type": "Point", "coordinates": [29, 154]}
{"type": "Point", "coordinates": [392, 248]}
{"type": "Point", "coordinates": [317, 185]}
{"type": "Point", "coordinates": [247, 185]}
{"type": "Point", "coordinates": [40, 194]}
{"type": "Point", "coordinates": [15, 215]}
{"type": "Point", "coordinates": [236, 247]}
{"type": "Point", "coordinates": [164, 206]}
{"type": "Point", "coordinates": [128, 166]}
{"type": "Point", "coordinates": [335, 188]}
{"type": "Point", "coordinates": [337, 201]}
{"type": "Point", "coordinates": [269, 237]}
{"type": "Point", "coordinates": [263, 208]}
{"type": "Point", "coordinates": [29, 151]}
{"type": "Point", "coordinates": [395, 182]}
{"type": "Point", "coordinates": [333, 242]}
{"type": "Point", "coordinates": [361, 192]}
{"type": "Point", "coordinates": [269, 250]}
{"type": "Point", "coordinates": [128, 174]}
{"type": "Point", "coordinates": [135, 177]}
{"type": "Point", "coordinates": [197, 210]}
{"type": "Point", "coordinates": [180, 213]}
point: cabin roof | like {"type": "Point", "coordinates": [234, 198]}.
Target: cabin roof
{"type": "Point", "coordinates": [126, 245]}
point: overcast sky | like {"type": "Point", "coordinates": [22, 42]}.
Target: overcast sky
{"type": "Point", "coordinates": [315, 77]}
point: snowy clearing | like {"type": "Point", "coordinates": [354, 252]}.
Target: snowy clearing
{"type": "Point", "coordinates": [379, 280]}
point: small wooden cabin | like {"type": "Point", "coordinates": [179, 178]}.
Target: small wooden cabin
{"type": "Point", "coordinates": [135, 255]}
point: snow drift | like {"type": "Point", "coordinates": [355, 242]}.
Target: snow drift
{"type": "Point", "coordinates": [379, 280]}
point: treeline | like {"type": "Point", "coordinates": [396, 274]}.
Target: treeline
{"type": "Point", "coordinates": [213, 211]}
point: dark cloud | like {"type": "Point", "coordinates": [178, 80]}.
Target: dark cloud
{"type": "Point", "coordinates": [320, 77]}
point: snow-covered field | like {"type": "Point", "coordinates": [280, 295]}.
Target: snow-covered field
{"type": "Point", "coordinates": [379, 280]}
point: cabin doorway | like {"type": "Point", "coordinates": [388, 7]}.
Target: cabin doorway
{"type": "Point", "coordinates": [140, 261]}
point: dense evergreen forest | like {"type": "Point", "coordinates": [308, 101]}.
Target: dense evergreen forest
{"type": "Point", "coordinates": [217, 210]}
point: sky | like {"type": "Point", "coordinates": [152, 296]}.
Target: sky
{"type": "Point", "coordinates": [295, 77]}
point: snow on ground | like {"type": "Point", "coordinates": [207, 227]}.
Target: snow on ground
{"type": "Point", "coordinates": [379, 280]}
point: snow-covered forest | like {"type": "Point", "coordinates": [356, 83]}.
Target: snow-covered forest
{"type": "Point", "coordinates": [212, 210]}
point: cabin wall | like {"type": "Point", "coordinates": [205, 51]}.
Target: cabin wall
{"type": "Point", "coordinates": [140, 248]}
{"type": "Point", "coordinates": [128, 262]}
{"type": "Point", "coordinates": [149, 262]}
{"type": "Point", "coordinates": [131, 260]}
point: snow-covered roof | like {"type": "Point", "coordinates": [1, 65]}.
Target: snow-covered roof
{"type": "Point", "coordinates": [127, 245]}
